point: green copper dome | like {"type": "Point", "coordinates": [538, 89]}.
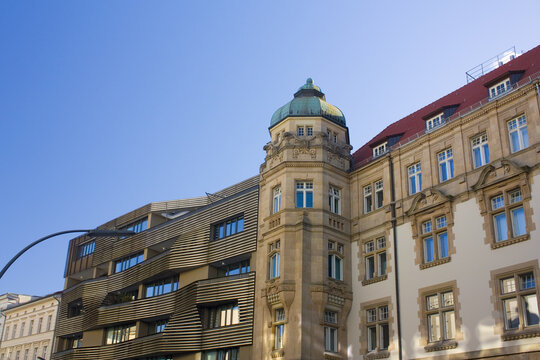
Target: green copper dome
{"type": "Point", "coordinates": [309, 100]}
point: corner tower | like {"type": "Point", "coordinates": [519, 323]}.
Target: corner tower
{"type": "Point", "coordinates": [303, 255]}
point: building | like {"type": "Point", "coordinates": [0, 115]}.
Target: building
{"type": "Point", "coordinates": [29, 329]}
{"type": "Point", "coordinates": [8, 300]}
{"type": "Point", "coordinates": [421, 244]}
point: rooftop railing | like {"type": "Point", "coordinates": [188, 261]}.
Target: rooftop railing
{"type": "Point", "coordinates": [491, 64]}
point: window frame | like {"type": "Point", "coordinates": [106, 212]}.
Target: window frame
{"type": "Point", "coordinates": [119, 334]}
{"type": "Point", "coordinates": [335, 260]}
{"type": "Point", "coordinates": [126, 262]}
{"type": "Point", "coordinates": [414, 178]}
{"type": "Point", "coordinates": [424, 312]}
{"type": "Point", "coordinates": [434, 233]}
{"type": "Point", "coordinates": [334, 199]}
{"type": "Point", "coordinates": [479, 142]}
{"type": "Point", "coordinates": [274, 260]}
{"type": "Point", "coordinates": [222, 315]}
{"type": "Point", "coordinates": [374, 248]}
{"type": "Point", "coordinates": [367, 323]}
{"type": "Point", "coordinates": [435, 122]}
{"type": "Point", "coordinates": [499, 88]}
{"type": "Point", "coordinates": [228, 227]}
{"type": "Point", "coordinates": [514, 272]}
{"type": "Point", "coordinates": [279, 319]}
{"type": "Point", "coordinates": [507, 208]}
{"type": "Point", "coordinates": [380, 149]}
{"type": "Point", "coordinates": [86, 249]}
{"type": "Point", "coordinates": [276, 199]}
{"type": "Point", "coordinates": [370, 193]}
{"type": "Point", "coordinates": [330, 324]}
{"type": "Point", "coordinates": [305, 188]}
{"type": "Point", "coordinates": [446, 163]}
{"type": "Point", "coordinates": [523, 140]}
{"type": "Point", "coordinates": [160, 286]}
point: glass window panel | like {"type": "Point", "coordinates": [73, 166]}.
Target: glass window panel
{"type": "Point", "coordinates": [370, 246]}
{"type": "Point", "coordinates": [449, 325]}
{"type": "Point", "coordinates": [518, 222]}
{"type": "Point", "coordinates": [501, 227]}
{"type": "Point", "coordinates": [381, 243]}
{"type": "Point", "coordinates": [371, 315]}
{"type": "Point", "coordinates": [383, 312]}
{"type": "Point", "coordinates": [372, 338]}
{"type": "Point", "coordinates": [432, 302]}
{"type": "Point", "coordinates": [511, 317]}
{"type": "Point", "coordinates": [441, 222]}
{"type": "Point", "coordinates": [527, 281]}
{"type": "Point", "coordinates": [508, 285]}
{"type": "Point", "coordinates": [429, 251]}
{"type": "Point", "coordinates": [443, 245]}
{"type": "Point", "coordinates": [530, 308]}
{"type": "Point", "coordinates": [477, 157]}
{"type": "Point", "coordinates": [434, 327]}
{"type": "Point", "coordinates": [384, 336]}
{"type": "Point", "coordinates": [448, 298]}
{"type": "Point", "coordinates": [382, 263]}
{"type": "Point", "coordinates": [338, 268]}
{"type": "Point", "coordinates": [427, 227]}
{"type": "Point", "coordinates": [309, 199]}
{"type": "Point", "coordinates": [299, 199]}
{"type": "Point", "coordinates": [370, 267]}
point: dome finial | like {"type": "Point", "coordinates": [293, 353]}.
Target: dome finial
{"type": "Point", "coordinates": [309, 81]}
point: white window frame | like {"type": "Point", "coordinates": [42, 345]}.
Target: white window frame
{"type": "Point", "coordinates": [435, 122]}
{"type": "Point", "coordinates": [276, 199]}
{"type": "Point", "coordinates": [380, 149]}
{"type": "Point", "coordinates": [300, 131]}
{"type": "Point", "coordinates": [415, 178]}
{"type": "Point", "coordinates": [335, 264]}
{"type": "Point", "coordinates": [305, 188]}
{"type": "Point", "coordinates": [378, 187]}
{"type": "Point", "coordinates": [375, 249]}
{"type": "Point", "coordinates": [334, 199]}
{"type": "Point", "coordinates": [500, 88]}
{"type": "Point", "coordinates": [279, 328]}
{"type": "Point", "coordinates": [309, 130]}
{"type": "Point", "coordinates": [518, 126]}
{"type": "Point", "coordinates": [274, 260]}
{"type": "Point", "coordinates": [446, 161]}
{"type": "Point", "coordinates": [480, 142]}
{"type": "Point", "coordinates": [330, 339]}
{"type": "Point", "coordinates": [368, 199]}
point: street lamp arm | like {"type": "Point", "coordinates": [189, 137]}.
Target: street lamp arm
{"type": "Point", "coordinates": [35, 243]}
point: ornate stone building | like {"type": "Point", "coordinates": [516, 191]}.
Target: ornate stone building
{"type": "Point", "coordinates": [423, 243]}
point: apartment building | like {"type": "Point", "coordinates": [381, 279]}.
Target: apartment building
{"type": "Point", "coordinates": [423, 243]}
{"type": "Point", "coordinates": [29, 329]}
{"type": "Point", "coordinates": [8, 300]}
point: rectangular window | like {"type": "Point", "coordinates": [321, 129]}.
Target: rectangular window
{"type": "Point", "coordinates": [49, 321]}
{"type": "Point", "coordinates": [519, 300]}
{"type": "Point", "coordinates": [480, 150]}
{"type": "Point", "coordinates": [86, 249]}
{"type": "Point", "coordinates": [309, 130]}
{"type": "Point", "coordinates": [74, 341]}
{"type": "Point", "coordinates": [335, 267]}
{"type": "Point", "coordinates": [440, 316]}
{"type": "Point", "coordinates": [274, 265]}
{"type": "Point", "coordinates": [157, 327]}
{"type": "Point", "coordinates": [236, 268]}
{"type": "Point", "coordinates": [415, 178]}
{"type": "Point", "coordinates": [276, 202]}
{"type": "Point", "coordinates": [499, 88]}
{"type": "Point", "coordinates": [118, 334]}
{"type": "Point", "coordinates": [300, 131]}
{"type": "Point", "coordinates": [279, 328]}
{"type": "Point", "coordinates": [378, 330]}
{"type": "Point", "coordinates": [368, 200]}
{"type": "Point", "coordinates": [220, 354]}
{"type": "Point", "coordinates": [22, 329]}
{"type": "Point", "coordinates": [40, 322]}
{"type": "Point", "coordinates": [380, 149]}
{"type": "Point", "coordinates": [304, 194]}
{"type": "Point", "coordinates": [228, 227]}
{"type": "Point", "coordinates": [128, 261]}
{"type": "Point", "coordinates": [330, 339]}
{"type": "Point", "coordinates": [434, 122]}
{"type": "Point", "coordinates": [375, 258]}
{"type": "Point", "coordinates": [378, 194]}
{"type": "Point", "coordinates": [519, 136]}
{"type": "Point", "coordinates": [222, 315]}
{"type": "Point", "coordinates": [435, 239]}
{"type": "Point", "coordinates": [334, 200]}
{"type": "Point", "coordinates": [508, 215]}
{"type": "Point", "coordinates": [446, 165]}
{"type": "Point", "coordinates": [75, 308]}
{"type": "Point", "coordinates": [161, 287]}
{"type": "Point", "coordinates": [31, 327]}
{"type": "Point", "coordinates": [137, 226]}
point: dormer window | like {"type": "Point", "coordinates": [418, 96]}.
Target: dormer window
{"type": "Point", "coordinates": [434, 122]}
{"type": "Point", "coordinates": [500, 88]}
{"type": "Point", "coordinates": [380, 149]}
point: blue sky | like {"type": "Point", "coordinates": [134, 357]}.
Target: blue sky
{"type": "Point", "coordinates": [108, 105]}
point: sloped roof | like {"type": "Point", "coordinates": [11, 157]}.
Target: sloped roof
{"type": "Point", "coordinates": [468, 96]}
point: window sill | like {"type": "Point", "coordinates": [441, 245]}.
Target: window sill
{"type": "Point", "coordinates": [374, 280]}
{"type": "Point", "coordinates": [435, 263]}
{"type": "Point", "coordinates": [441, 345]}
{"type": "Point", "coordinates": [277, 353]}
{"type": "Point", "coordinates": [383, 354]}
{"type": "Point", "coordinates": [511, 241]}
{"type": "Point", "coordinates": [332, 356]}
{"type": "Point", "coordinates": [521, 334]}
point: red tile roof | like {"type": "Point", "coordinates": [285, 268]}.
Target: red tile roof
{"type": "Point", "coordinates": [468, 97]}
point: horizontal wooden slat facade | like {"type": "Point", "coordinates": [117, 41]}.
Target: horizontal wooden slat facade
{"type": "Point", "coordinates": [193, 246]}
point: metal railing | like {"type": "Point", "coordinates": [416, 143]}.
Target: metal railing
{"type": "Point", "coordinates": [491, 64]}
{"type": "Point", "coordinates": [457, 115]}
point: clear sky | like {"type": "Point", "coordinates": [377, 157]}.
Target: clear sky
{"type": "Point", "coordinates": [106, 106]}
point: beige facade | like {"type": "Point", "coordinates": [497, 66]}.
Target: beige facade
{"type": "Point", "coordinates": [9, 300]}
{"type": "Point", "coordinates": [29, 329]}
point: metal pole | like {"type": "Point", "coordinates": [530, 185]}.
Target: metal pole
{"type": "Point", "coordinates": [92, 232]}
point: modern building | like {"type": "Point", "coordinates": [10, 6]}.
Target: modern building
{"type": "Point", "coordinates": [29, 329]}
{"type": "Point", "coordinates": [421, 244]}
{"type": "Point", "coordinates": [7, 300]}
